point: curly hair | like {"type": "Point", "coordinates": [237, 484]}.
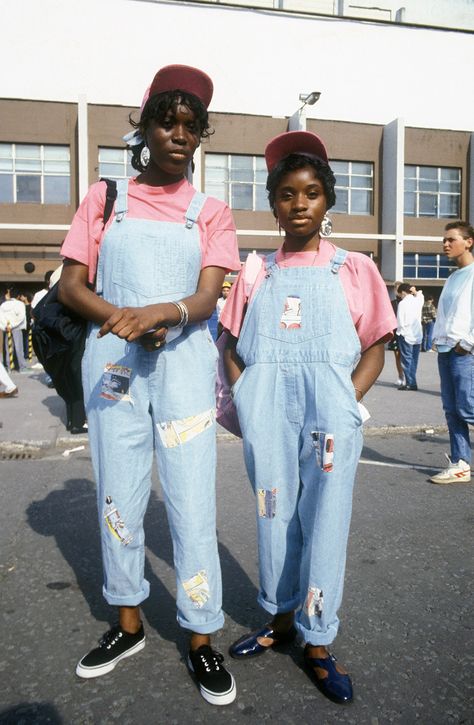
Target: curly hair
{"type": "Point", "coordinates": [293, 162]}
{"type": "Point", "coordinates": [156, 109]}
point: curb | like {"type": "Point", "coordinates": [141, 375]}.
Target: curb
{"type": "Point", "coordinates": [62, 443]}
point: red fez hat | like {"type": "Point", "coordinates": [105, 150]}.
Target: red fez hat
{"type": "Point", "coordinates": [182, 78]}
{"type": "Point", "coordinates": [294, 142]}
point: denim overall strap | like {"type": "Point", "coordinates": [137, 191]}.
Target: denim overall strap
{"type": "Point", "coordinates": [194, 209]}
{"type": "Point", "coordinates": [338, 260]}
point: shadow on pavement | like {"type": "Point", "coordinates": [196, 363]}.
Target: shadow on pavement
{"type": "Point", "coordinates": [31, 712]}
{"type": "Point", "coordinates": [70, 516]}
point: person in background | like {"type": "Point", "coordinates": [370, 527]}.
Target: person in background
{"type": "Point", "coordinates": [300, 355]}
{"type": "Point", "coordinates": [9, 389]}
{"type": "Point", "coordinates": [453, 337]}
{"type": "Point", "coordinates": [409, 332]}
{"type": "Point", "coordinates": [428, 317]}
{"type": "Point", "coordinates": [393, 344]}
{"type": "Point", "coordinates": [43, 291]}
{"type": "Point", "coordinates": [226, 288]}
{"type": "Point", "coordinates": [13, 322]}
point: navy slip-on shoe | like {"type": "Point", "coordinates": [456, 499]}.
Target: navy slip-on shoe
{"type": "Point", "coordinates": [335, 686]}
{"type": "Point", "coordinates": [258, 642]}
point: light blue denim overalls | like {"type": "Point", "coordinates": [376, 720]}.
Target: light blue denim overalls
{"type": "Point", "coordinates": [302, 439]}
{"type": "Point", "coordinates": [138, 401]}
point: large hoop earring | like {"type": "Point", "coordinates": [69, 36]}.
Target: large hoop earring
{"type": "Point", "coordinates": [145, 156]}
{"type": "Point", "coordinates": [326, 226]}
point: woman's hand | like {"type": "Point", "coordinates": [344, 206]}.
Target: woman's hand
{"type": "Point", "coordinates": [131, 323]}
{"type": "Point", "coordinates": [152, 341]}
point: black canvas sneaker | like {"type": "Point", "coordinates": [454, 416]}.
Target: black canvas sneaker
{"type": "Point", "coordinates": [217, 686]}
{"type": "Point", "coordinates": [115, 645]}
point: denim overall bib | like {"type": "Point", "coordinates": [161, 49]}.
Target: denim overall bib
{"type": "Point", "coordinates": [302, 438]}
{"type": "Point", "coordinates": [139, 401]}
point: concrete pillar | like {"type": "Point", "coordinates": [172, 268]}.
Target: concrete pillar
{"type": "Point", "coordinates": [470, 183]}
{"type": "Point", "coordinates": [392, 199]}
{"type": "Point", "coordinates": [82, 146]}
{"type": "Point", "coordinates": [297, 122]}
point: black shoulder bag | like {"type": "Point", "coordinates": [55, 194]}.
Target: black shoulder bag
{"type": "Point", "coordinates": [59, 334]}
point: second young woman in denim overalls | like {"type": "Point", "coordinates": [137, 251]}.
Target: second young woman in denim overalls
{"type": "Point", "coordinates": [149, 370]}
{"type": "Point", "coordinates": [308, 347]}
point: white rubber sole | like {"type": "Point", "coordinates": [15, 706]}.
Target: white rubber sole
{"type": "Point", "coordinates": [213, 698]}
{"type": "Point", "coordinates": [89, 672]}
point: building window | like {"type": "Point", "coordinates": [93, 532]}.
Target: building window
{"type": "Point", "coordinates": [425, 266]}
{"type": "Point", "coordinates": [237, 180]}
{"type": "Point", "coordinates": [34, 174]}
{"type": "Point", "coordinates": [115, 163]}
{"type": "Point", "coordinates": [354, 187]}
{"type": "Point", "coordinates": [432, 191]}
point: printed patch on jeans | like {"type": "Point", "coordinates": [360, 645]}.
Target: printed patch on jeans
{"type": "Point", "coordinates": [176, 432]}
{"type": "Point", "coordinates": [197, 589]}
{"type": "Point", "coordinates": [313, 605]}
{"type": "Point", "coordinates": [116, 382]}
{"type": "Point", "coordinates": [291, 317]}
{"type": "Point", "coordinates": [324, 446]}
{"type": "Point", "coordinates": [115, 523]}
{"type": "Point", "coordinates": [266, 503]}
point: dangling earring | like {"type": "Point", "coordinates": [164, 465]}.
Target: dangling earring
{"type": "Point", "coordinates": [145, 156]}
{"type": "Point", "coordinates": [326, 227]}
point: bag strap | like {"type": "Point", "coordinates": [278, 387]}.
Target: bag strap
{"type": "Point", "coordinates": [110, 197]}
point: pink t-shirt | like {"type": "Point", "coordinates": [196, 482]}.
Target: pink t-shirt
{"type": "Point", "coordinates": [365, 290]}
{"type": "Point", "coordinates": [159, 203]}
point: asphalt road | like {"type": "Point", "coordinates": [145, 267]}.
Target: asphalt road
{"type": "Point", "coordinates": [406, 634]}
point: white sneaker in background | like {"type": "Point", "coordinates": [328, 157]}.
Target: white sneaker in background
{"type": "Point", "coordinates": [459, 472]}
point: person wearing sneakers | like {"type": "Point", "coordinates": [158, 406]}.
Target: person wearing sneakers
{"type": "Point", "coordinates": [453, 338]}
{"type": "Point", "coordinates": [162, 258]}
{"type": "Point", "coordinates": [308, 347]}
{"type": "Point", "coordinates": [9, 389]}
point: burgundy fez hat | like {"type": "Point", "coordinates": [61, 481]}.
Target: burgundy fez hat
{"type": "Point", "coordinates": [294, 142]}
{"type": "Point", "coordinates": [183, 78]}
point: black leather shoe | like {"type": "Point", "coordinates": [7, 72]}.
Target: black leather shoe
{"type": "Point", "coordinates": [336, 686]}
{"type": "Point", "coordinates": [259, 642]}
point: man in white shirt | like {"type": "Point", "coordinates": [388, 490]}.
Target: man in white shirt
{"type": "Point", "coordinates": [409, 332]}
{"type": "Point", "coordinates": [453, 336]}
{"type": "Point", "coordinates": [13, 320]}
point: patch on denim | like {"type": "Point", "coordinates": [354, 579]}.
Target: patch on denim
{"type": "Point", "coordinates": [116, 382]}
{"type": "Point", "coordinates": [176, 432]}
{"type": "Point", "coordinates": [115, 523]}
{"type": "Point", "coordinates": [291, 317]}
{"type": "Point", "coordinates": [313, 605]}
{"type": "Point", "coordinates": [324, 447]}
{"type": "Point", "coordinates": [197, 589]}
{"type": "Point", "coordinates": [266, 502]}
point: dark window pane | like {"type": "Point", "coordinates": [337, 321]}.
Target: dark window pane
{"type": "Point", "coordinates": [56, 190]}
{"type": "Point", "coordinates": [360, 202]}
{"type": "Point", "coordinates": [428, 205]}
{"type": "Point", "coordinates": [361, 182]}
{"type": "Point", "coordinates": [241, 196]}
{"type": "Point", "coordinates": [410, 204]}
{"type": "Point", "coordinates": [261, 199]}
{"type": "Point", "coordinates": [426, 185]}
{"type": "Point", "coordinates": [410, 172]}
{"type": "Point", "coordinates": [6, 189]}
{"type": "Point", "coordinates": [449, 206]}
{"type": "Point", "coordinates": [342, 201]}
{"type": "Point", "coordinates": [410, 184]}
{"type": "Point", "coordinates": [28, 189]}
{"type": "Point", "coordinates": [342, 180]}
{"type": "Point", "coordinates": [409, 271]}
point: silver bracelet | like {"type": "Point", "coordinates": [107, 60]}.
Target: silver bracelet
{"type": "Point", "coordinates": [183, 314]}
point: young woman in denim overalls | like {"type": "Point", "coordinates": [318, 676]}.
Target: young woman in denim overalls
{"type": "Point", "coordinates": [298, 373]}
{"type": "Point", "coordinates": [149, 380]}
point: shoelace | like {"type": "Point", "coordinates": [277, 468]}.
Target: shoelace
{"type": "Point", "coordinates": [110, 638]}
{"type": "Point", "coordinates": [215, 659]}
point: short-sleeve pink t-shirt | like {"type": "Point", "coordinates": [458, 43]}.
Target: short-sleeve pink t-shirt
{"type": "Point", "coordinates": [364, 288]}
{"type": "Point", "coordinates": [159, 203]}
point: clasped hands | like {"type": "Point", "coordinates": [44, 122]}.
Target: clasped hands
{"type": "Point", "coordinates": [137, 324]}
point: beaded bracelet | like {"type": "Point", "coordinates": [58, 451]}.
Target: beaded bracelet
{"type": "Point", "coordinates": [183, 314]}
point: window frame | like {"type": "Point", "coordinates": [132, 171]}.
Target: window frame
{"type": "Point", "coordinates": [437, 195]}
{"type": "Point", "coordinates": [41, 173]}
{"type": "Point", "coordinates": [228, 182]}
{"type": "Point", "coordinates": [126, 163]}
{"type": "Point", "coordinates": [350, 173]}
